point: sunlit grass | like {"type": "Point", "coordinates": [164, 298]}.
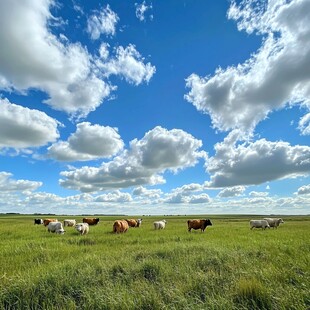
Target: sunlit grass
{"type": "Point", "coordinates": [226, 267]}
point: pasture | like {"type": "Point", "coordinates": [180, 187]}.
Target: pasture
{"type": "Point", "coordinates": [226, 267]}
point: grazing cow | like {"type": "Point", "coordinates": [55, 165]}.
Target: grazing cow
{"type": "Point", "coordinates": [160, 224]}
{"type": "Point", "coordinates": [91, 221]}
{"type": "Point", "coordinates": [139, 222]}
{"type": "Point", "coordinates": [82, 228]}
{"type": "Point", "coordinates": [47, 221]}
{"type": "Point", "coordinates": [263, 224]}
{"type": "Point", "coordinates": [198, 224]}
{"type": "Point", "coordinates": [38, 221]}
{"type": "Point", "coordinates": [69, 223]}
{"type": "Point", "coordinates": [120, 226]}
{"type": "Point", "coordinates": [274, 222]}
{"type": "Point", "coordinates": [55, 227]}
{"type": "Point", "coordinates": [132, 223]}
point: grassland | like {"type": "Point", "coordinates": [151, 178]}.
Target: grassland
{"type": "Point", "coordinates": [227, 267]}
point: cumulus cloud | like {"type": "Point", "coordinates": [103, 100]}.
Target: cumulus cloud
{"type": "Point", "coordinates": [184, 195]}
{"type": "Point", "coordinates": [258, 194]}
{"type": "Point", "coordinates": [304, 190]}
{"type": "Point", "coordinates": [183, 198]}
{"type": "Point", "coordinates": [103, 22]}
{"type": "Point", "coordinates": [304, 125]}
{"type": "Point", "coordinates": [127, 63]}
{"type": "Point", "coordinates": [7, 184]}
{"type": "Point", "coordinates": [23, 128]}
{"type": "Point", "coordinates": [256, 162]}
{"type": "Point", "coordinates": [148, 193]}
{"type": "Point", "coordinates": [87, 143]}
{"type": "Point", "coordinates": [276, 75]}
{"type": "Point", "coordinates": [159, 150]}
{"type": "Point", "coordinates": [232, 191]}
{"type": "Point", "coordinates": [141, 10]}
{"type": "Point", "coordinates": [115, 196]}
{"type": "Point", "coordinates": [65, 71]}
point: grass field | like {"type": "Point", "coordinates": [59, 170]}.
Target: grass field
{"type": "Point", "coordinates": [226, 267]}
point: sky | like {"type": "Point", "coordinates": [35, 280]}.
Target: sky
{"type": "Point", "coordinates": [155, 107]}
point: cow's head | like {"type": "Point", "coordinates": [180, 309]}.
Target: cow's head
{"type": "Point", "coordinates": [207, 222]}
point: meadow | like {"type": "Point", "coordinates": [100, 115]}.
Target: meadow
{"type": "Point", "coordinates": [228, 266]}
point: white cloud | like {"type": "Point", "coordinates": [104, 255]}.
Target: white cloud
{"type": "Point", "coordinates": [241, 96]}
{"type": "Point", "coordinates": [127, 63]}
{"type": "Point", "coordinates": [179, 197]}
{"type": "Point", "coordinates": [304, 125]}
{"type": "Point", "coordinates": [87, 143]}
{"type": "Point", "coordinates": [258, 194]}
{"type": "Point", "coordinates": [7, 184]}
{"type": "Point", "coordinates": [66, 71]}
{"type": "Point", "coordinates": [63, 70]}
{"type": "Point", "coordinates": [144, 163]}
{"type": "Point", "coordinates": [149, 193]}
{"type": "Point", "coordinates": [141, 10]}
{"type": "Point", "coordinates": [188, 189]}
{"type": "Point", "coordinates": [256, 162]}
{"type": "Point", "coordinates": [103, 22]}
{"type": "Point", "coordinates": [115, 196]}
{"type": "Point", "coordinates": [232, 191]}
{"type": "Point", "coordinates": [22, 127]}
{"type": "Point", "coordinates": [304, 190]}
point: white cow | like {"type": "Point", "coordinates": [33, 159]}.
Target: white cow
{"type": "Point", "coordinates": [82, 228]}
{"type": "Point", "coordinates": [160, 224]}
{"type": "Point", "coordinates": [69, 223]}
{"type": "Point", "coordinates": [274, 222]}
{"type": "Point", "coordinates": [263, 224]}
{"type": "Point", "coordinates": [55, 227]}
{"type": "Point", "coordinates": [139, 222]}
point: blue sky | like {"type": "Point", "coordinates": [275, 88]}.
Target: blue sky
{"type": "Point", "coordinates": [155, 107]}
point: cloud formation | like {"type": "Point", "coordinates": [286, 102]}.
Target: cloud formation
{"type": "Point", "coordinates": [127, 63]}
{"type": "Point", "coordinates": [232, 191]}
{"type": "Point", "coordinates": [256, 162]}
{"type": "Point", "coordinates": [141, 10]}
{"type": "Point", "coordinates": [23, 128]}
{"type": "Point", "coordinates": [7, 184]}
{"type": "Point", "coordinates": [103, 22]}
{"type": "Point", "coordinates": [65, 71]}
{"type": "Point", "coordinates": [87, 143]}
{"type": "Point", "coordinates": [144, 163]}
{"type": "Point", "coordinates": [275, 76]}
{"type": "Point", "coordinates": [304, 190]}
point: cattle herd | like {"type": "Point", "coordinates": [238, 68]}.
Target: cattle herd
{"type": "Point", "coordinates": [122, 226]}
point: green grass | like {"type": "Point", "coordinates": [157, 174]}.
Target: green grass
{"type": "Point", "coordinates": [226, 267]}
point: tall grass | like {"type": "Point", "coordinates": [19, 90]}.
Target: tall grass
{"type": "Point", "coordinates": [227, 267]}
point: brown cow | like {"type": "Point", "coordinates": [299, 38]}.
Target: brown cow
{"type": "Point", "coordinates": [198, 224]}
{"type": "Point", "coordinates": [132, 223]}
{"type": "Point", "coordinates": [47, 221]}
{"type": "Point", "coordinates": [120, 226]}
{"type": "Point", "coordinates": [91, 221]}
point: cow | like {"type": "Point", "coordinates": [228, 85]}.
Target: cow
{"type": "Point", "coordinates": [274, 222]}
{"type": "Point", "coordinates": [47, 221]}
{"type": "Point", "coordinates": [55, 227]}
{"type": "Point", "coordinates": [120, 226]}
{"type": "Point", "coordinates": [263, 224]}
{"type": "Point", "coordinates": [131, 223]}
{"type": "Point", "coordinates": [91, 221]}
{"type": "Point", "coordinates": [160, 224]}
{"type": "Point", "coordinates": [82, 228]}
{"type": "Point", "coordinates": [139, 222]}
{"type": "Point", "coordinates": [198, 224]}
{"type": "Point", "coordinates": [69, 223]}
{"type": "Point", "coordinates": [38, 221]}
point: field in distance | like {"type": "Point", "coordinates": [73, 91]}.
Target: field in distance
{"type": "Point", "coordinates": [228, 266]}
